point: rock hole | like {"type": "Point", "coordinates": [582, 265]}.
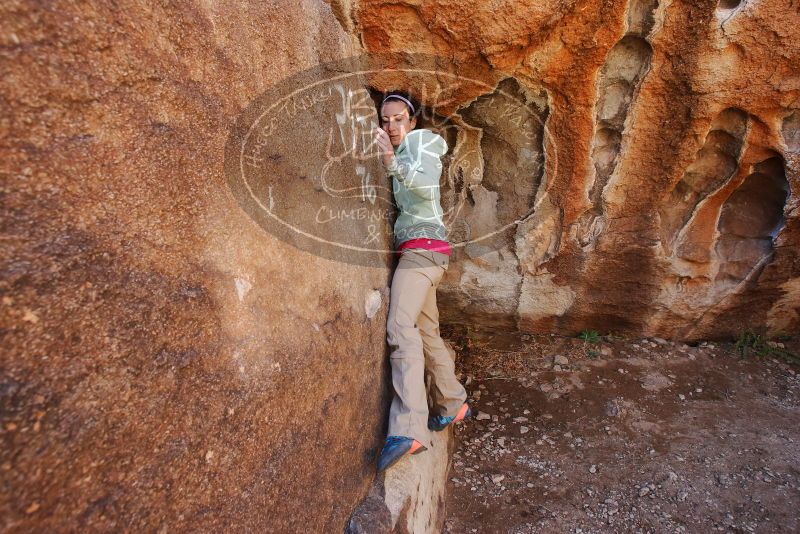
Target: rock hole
{"type": "Point", "coordinates": [605, 150]}
{"type": "Point", "coordinates": [641, 16]}
{"type": "Point", "coordinates": [512, 121]}
{"type": "Point", "coordinates": [791, 132]}
{"type": "Point", "coordinates": [715, 164]}
{"type": "Point", "coordinates": [729, 4]}
{"type": "Point", "coordinates": [750, 220]}
{"type": "Point", "coordinates": [619, 78]}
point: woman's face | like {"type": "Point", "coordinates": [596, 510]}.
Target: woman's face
{"type": "Point", "coordinates": [395, 121]}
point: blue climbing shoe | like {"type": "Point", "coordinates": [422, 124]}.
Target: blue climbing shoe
{"type": "Point", "coordinates": [395, 448]}
{"type": "Point", "coordinates": [440, 422]}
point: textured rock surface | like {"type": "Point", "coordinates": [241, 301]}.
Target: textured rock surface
{"type": "Point", "coordinates": [169, 366]}
{"type": "Point", "coordinates": [409, 497]}
{"type": "Point", "coordinates": [166, 365]}
{"type": "Point", "coordinates": [667, 199]}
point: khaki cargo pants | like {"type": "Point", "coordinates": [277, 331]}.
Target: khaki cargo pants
{"type": "Point", "coordinates": [418, 349]}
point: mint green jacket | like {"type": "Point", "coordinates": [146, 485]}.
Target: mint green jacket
{"type": "Point", "coordinates": [415, 170]}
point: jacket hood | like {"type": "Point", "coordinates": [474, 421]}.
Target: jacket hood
{"type": "Point", "coordinates": [422, 141]}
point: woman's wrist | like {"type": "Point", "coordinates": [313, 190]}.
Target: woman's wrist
{"type": "Point", "coordinates": [395, 167]}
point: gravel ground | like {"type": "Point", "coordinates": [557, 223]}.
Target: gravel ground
{"type": "Point", "coordinates": [623, 436]}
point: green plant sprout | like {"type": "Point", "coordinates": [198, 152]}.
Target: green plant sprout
{"type": "Point", "coordinates": [589, 336]}
{"type": "Point", "coordinates": [751, 343]}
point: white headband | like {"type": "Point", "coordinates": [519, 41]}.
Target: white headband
{"type": "Point", "coordinates": [398, 97]}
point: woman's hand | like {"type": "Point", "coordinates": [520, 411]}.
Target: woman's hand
{"type": "Point", "coordinates": [384, 146]}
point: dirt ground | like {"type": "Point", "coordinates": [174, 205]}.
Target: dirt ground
{"type": "Point", "coordinates": [623, 436]}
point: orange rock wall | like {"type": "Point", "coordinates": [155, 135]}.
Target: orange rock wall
{"type": "Point", "coordinates": [167, 365]}
{"type": "Point", "coordinates": [670, 127]}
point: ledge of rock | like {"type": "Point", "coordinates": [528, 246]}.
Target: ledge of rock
{"type": "Point", "coordinates": [408, 498]}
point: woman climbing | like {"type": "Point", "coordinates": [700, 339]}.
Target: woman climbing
{"type": "Point", "coordinates": [412, 158]}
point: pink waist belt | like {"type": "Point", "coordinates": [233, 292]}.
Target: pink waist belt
{"type": "Point", "coordinates": [428, 244]}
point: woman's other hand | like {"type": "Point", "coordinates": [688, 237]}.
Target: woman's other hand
{"type": "Point", "coordinates": [384, 146]}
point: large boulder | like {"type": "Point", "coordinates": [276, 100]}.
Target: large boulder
{"type": "Point", "coordinates": [167, 365]}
